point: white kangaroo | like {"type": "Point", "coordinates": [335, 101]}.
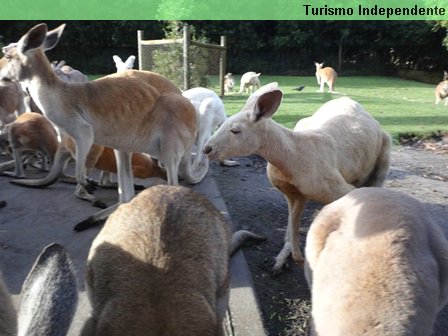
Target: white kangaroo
{"type": "Point", "coordinates": [249, 82]}
{"type": "Point", "coordinates": [211, 114]}
{"type": "Point", "coordinates": [160, 266]}
{"type": "Point", "coordinates": [339, 148]}
{"type": "Point", "coordinates": [377, 265]}
{"type": "Point", "coordinates": [133, 111]}
{"type": "Point", "coordinates": [48, 298]}
{"type": "Point", "coordinates": [324, 76]}
{"type": "Point", "coordinates": [123, 66]}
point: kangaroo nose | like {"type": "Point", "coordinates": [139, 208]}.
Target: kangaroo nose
{"type": "Point", "coordinates": [207, 149]}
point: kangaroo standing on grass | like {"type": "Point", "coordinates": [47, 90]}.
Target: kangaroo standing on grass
{"type": "Point", "coordinates": [133, 111]}
{"type": "Point", "coordinates": [339, 148]}
{"type": "Point", "coordinates": [324, 76]}
{"type": "Point", "coordinates": [249, 82]}
{"type": "Point", "coordinates": [377, 265]}
{"type": "Point", "coordinates": [442, 89]}
{"type": "Point", "coordinates": [160, 266]}
{"type": "Point", "coordinates": [48, 298]}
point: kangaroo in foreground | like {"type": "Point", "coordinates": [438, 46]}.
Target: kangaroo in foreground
{"type": "Point", "coordinates": [132, 111]}
{"type": "Point", "coordinates": [48, 298]}
{"type": "Point", "coordinates": [249, 82]}
{"type": "Point", "coordinates": [339, 148]}
{"type": "Point", "coordinates": [29, 132]}
{"type": "Point", "coordinates": [160, 265]}
{"type": "Point", "coordinates": [377, 265]}
{"type": "Point", "coordinates": [324, 76]}
{"type": "Point", "coordinates": [211, 114]}
{"type": "Point", "coordinates": [442, 89]}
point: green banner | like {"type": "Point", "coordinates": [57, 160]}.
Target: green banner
{"type": "Point", "coordinates": [224, 10]}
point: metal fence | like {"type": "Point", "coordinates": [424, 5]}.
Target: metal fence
{"type": "Point", "coordinates": [184, 61]}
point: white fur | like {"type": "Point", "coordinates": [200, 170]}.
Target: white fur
{"type": "Point", "coordinates": [211, 114]}
{"type": "Point", "coordinates": [229, 83]}
{"type": "Point", "coordinates": [339, 148]}
{"type": "Point", "coordinates": [377, 265]}
{"type": "Point", "coordinates": [249, 82]}
{"type": "Point", "coordinates": [126, 65]}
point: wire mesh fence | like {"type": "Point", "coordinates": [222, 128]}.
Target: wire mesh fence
{"type": "Point", "coordinates": [185, 62]}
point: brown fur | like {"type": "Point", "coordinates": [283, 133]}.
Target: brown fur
{"type": "Point", "coordinates": [31, 132]}
{"type": "Point", "coordinates": [133, 111]}
{"type": "Point", "coordinates": [160, 266]}
{"type": "Point", "coordinates": [325, 75]}
{"type": "Point", "coordinates": [441, 91]}
{"type": "Point", "coordinates": [11, 103]}
{"type": "Point", "coordinates": [377, 265]}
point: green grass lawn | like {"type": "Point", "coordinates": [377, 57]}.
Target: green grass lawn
{"type": "Point", "coordinates": [401, 106]}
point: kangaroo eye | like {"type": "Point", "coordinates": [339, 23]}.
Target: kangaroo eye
{"type": "Point", "coordinates": [235, 130]}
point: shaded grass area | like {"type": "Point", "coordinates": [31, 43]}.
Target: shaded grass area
{"type": "Point", "coordinates": [402, 107]}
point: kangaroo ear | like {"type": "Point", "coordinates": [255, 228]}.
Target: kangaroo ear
{"type": "Point", "coordinates": [130, 62]}
{"type": "Point", "coordinates": [52, 37]}
{"type": "Point", "coordinates": [33, 39]}
{"type": "Point", "coordinates": [49, 294]}
{"type": "Point", "coordinates": [117, 60]}
{"type": "Point", "coordinates": [267, 103]}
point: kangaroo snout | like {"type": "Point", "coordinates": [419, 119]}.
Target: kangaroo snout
{"type": "Point", "coordinates": [207, 149]}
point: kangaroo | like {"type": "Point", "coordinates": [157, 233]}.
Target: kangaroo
{"type": "Point", "coordinates": [211, 114]}
{"type": "Point", "coordinates": [339, 148]}
{"type": "Point", "coordinates": [48, 298]}
{"type": "Point", "coordinates": [11, 103]}
{"type": "Point", "coordinates": [377, 265]}
{"type": "Point", "coordinates": [324, 76]}
{"type": "Point", "coordinates": [30, 132]}
{"type": "Point", "coordinates": [442, 89]}
{"type": "Point", "coordinates": [160, 264]}
{"type": "Point", "coordinates": [126, 65]}
{"type": "Point", "coordinates": [229, 83]}
{"type": "Point", "coordinates": [249, 82]}
{"type": "Point", "coordinates": [131, 111]}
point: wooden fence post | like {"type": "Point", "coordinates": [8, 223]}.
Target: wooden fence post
{"type": "Point", "coordinates": [222, 64]}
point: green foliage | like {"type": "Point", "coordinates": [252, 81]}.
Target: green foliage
{"type": "Point", "coordinates": [168, 61]}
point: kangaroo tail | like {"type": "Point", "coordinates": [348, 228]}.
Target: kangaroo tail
{"type": "Point", "coordinates": [60, 158]}
{"type": "Point", "coordinates": [239, 237]}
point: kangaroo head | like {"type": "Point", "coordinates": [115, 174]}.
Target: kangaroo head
{"type": "Point", "coordinates": [242, 133]}
{"type": "Point", "coordinates": [18, 61]}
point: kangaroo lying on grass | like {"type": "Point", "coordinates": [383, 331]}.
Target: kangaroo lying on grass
{"type": "Point", "coordinates": [160, 265]}
{"type": "Point", "coordinates": [324, 76]}
{"type": "Point", "coordinates": [133, 111]}
{"type": "Point", "coordinates": [48, 299]}
{"type": "Point", "coordinates": [376, 265]}
{"type": "Point", "coordinates": [339, 148]}
{"type": "Point", "coordinates": [30, 132]}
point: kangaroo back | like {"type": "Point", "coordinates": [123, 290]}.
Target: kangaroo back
{"type": "Point", "coordinates": [325, 75]}
{"type": "Point", "coordinates": [160, 263]}
{"type": "Point", "coordinates": [375, 261]}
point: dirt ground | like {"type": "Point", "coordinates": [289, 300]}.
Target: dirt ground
{"type": "Point", "coordinates": [420, 170]}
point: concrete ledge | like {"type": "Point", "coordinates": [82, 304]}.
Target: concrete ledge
{"type": "Point", "coordinates": [244, 313]}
